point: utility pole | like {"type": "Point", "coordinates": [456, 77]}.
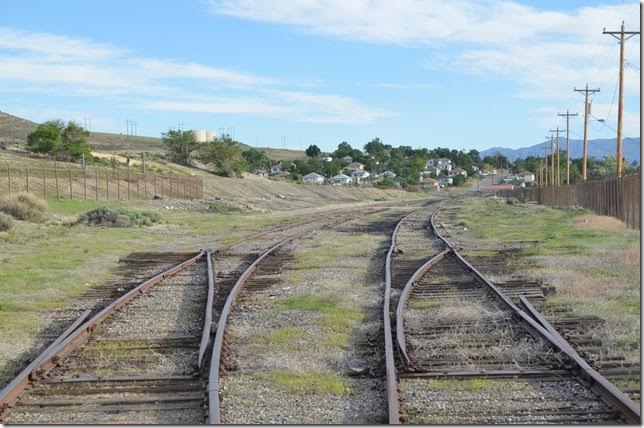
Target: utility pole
{"type": "Point", "coordinates": [545, 158]}
{"type": "Point", "coordinates": [620, 103]}
{"type": "Point", "coordinates": [552, 161]}
{"type": "Point", "coordinates": [558, 170]}
{"type": "Point", "coordinates": [567, 115]}
{"type": "Point", "coordinates": [586, 113]}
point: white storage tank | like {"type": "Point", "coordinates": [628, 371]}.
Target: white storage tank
{"type": "Point", "coordinates": [200, 135]}
{"type": "Point", "coordinates": [211, 135]}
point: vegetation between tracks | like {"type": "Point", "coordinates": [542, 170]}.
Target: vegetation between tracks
{"type": "Point", "coordinates": [593, 261]}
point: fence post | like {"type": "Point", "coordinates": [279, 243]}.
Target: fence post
{"type": "Point", "coordinates": [27, 178]}
{"type": "Point", "coordinates": [44, 185]}
{"type": "Point", "coordinates": [56, 175]}
{"type": "Point", "coordinates": [107, 185]}
{"type": "Point", "coordinates": [155, 185]}
{"type": "Point", "coordinates": [145, 185]}
{"type": "Point", "coordinates": [161, 187]}
{"type": "Point", "coordinates": [71, 195]}
{"type": "Point", "coordinates": [137, 185]}
{"type": "Point", "coordinates": [84, 181]}
{"type": "Point", "coordinates": [96, 177]}
{"type": "Point", "coordinates": [118, 187]}
{"type": "Point", "coordinates": [128, 182]}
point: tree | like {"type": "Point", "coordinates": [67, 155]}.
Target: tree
{"type": "Point", "coordinates": [256, 159]}
{"type": "Point", "coordinates": [47, 137]}
{"type": "Point", "coordinates": [224, 153]}
{"type": "Point", "coordinates": [313, 151]}
{"type": "Point", "coordinates": [459, 180]}
{"type": "Point", "coordinates": [67, 142]}
{"type": "Point", "coordinates": [180, 145]}
{"type": "Point", "coordinates": [344, 149]}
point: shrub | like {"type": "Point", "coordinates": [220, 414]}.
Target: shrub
{"type": "Point", "coordinates": [6, 222]}
{"type": "Point", "coordinates": [140, 218]}
{"type": "Point", "coordinates": [512, 201]}
{"type": "Point", "coordinates": [24, 206]}
{"type": "Point", "coordinates": [118, 218]}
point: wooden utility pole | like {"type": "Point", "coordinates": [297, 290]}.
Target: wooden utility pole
{"type": "Point", "coordinates": [620, 103]}
{"type": "Point", "coordinates": [545, 158]}
{"type": "Point", "coordinates": [552, 162]}
{"type": "Point", "coordinates": [586, 113]}
{"type": "Point", "coordinates": [558, 169]}
{"type": "Point", "coordinates": [567, 115]}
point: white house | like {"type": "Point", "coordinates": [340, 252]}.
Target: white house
{"type": "Point", "coordinates": [359, 175]}
{"type": "Point", "coordinates": [526, 176]}
{"type": "Point", "coordinates": [441, 164]}
{"type": "Point", "coordinates": [313, 178]}
{"type": "Point", "coordinates": [276, 169]}
{"type": "Point", "coordinates": [340, 179]}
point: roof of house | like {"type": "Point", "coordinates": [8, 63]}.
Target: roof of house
{"type": "Point", "coordinates": [360, 172]}
{"type": "Point", "coordinates": [526, 172]}
{"type": "Point", "coordinates": [313, 175]}
{"type": "Point", "coordinates": [388, 173]}
{"type": "Point", "coordinates": [341, 176]}
{"type": "Point", "coordinates": [458, 170]}
{"type": "Point", "coordinates": [429, 180]}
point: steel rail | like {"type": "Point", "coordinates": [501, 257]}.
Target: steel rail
{"type": "Point", "coordinates": [50, 358]}
{"type": "Point", "coordinates": [402, 304]}
{"type": "Point", "coordinates": [207, 323]}
{"type": "Point", "coordinates": [391, 382]}
{"type": "Point", "coordinates": [214, 410]}
{"type": "Point", "coordinates": [32, 370]}
{"type": "Point", "coordinates": [598, 383]}
{"type": "Point", "coordinates": [538, 326]}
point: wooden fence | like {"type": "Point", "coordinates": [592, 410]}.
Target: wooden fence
{"type": "Point", "coordinates": [619, 197]}
{"type": "Point", "coordinates": [97, 184]}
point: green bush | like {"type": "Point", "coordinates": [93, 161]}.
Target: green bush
{"type": "Point", "coordinates": [387, 183]}
{"type": "Point", "coordinates": [24, 206]}
{"type": "Point", "coordinates": [512, 201]}
{"type": "Point", "coordinates": [140, 218]}
{"type": "Point", "coordinates": [6, 222]}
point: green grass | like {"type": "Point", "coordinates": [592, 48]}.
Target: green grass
{"type": "Point", "coordinates": [595, 268]}
{"type": "Point", "coordinates": [305, 383]}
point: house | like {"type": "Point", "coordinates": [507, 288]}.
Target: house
{"type": "Point", "coordinates": [276, 169]}
{"type": "Point", "coordinates": [340, 180]}
{"type": "Point", "coordinates": [445, 180]}
{"type": "Point", "coordinates": [460, 171]}
{"type": "Point", "coordinates": [429, 183]}
{"type": "Point", "coordinates": [347, 159]}
{"type": "Point", "coordinates": [388, 174]}
{"type": "Point", "coordinates": [356, 165]}
{"type": "Point", "coordinates": [359, 175]}
{"type": "Point", "coordinates": [526, 176]}
{"type": "Point", "coordinates": [313, 178]}
{"type": "Point", "coordinates": [326, 158]}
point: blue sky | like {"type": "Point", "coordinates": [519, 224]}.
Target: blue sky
{"type": "Point", "coordinates": [454, 74]}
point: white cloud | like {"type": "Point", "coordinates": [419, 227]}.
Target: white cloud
{"type": "Point", "coordinates": [545, 52]}
{"type": "Point", "coordinates": [61, 65]}
{"type": "Point", "coordinates": [296, 106]}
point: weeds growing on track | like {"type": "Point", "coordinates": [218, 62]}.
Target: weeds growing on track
{"type": "Point", "coordinates": [309, 382]}
{"type": "Point", "coordinates": [593, 261]}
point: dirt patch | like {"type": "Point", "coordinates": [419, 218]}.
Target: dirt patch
{"type": "Point", "coordinates": [598, 222]}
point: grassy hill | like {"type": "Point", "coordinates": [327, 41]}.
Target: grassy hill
{"type": "Point", "coordinates": [14, 130]}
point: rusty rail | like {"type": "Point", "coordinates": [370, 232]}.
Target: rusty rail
{"type": "Point", "coordinates": [207, 323]}
{"type": "Point", "coordinates": [214, 411]}
{"type": "Point", "coordinates": [597, 382]}
{"type": "Point", "coordinates": [539, 327]}
{"type": "Point", "coordinates": [68, 341]}
{"type": "Point", "coordinates": [402, 304]}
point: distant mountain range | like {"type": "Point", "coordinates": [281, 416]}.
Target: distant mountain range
{"type": "Point", "coordinates": [596, 148]}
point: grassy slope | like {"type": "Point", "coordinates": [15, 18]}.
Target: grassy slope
{"type": "Point", "coordinates": [593, 261]}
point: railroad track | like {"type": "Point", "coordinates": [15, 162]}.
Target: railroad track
{"type": "Point", "coordinates": [143, 357]}
{"type": "Point", "coordinates": [460, 351]}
